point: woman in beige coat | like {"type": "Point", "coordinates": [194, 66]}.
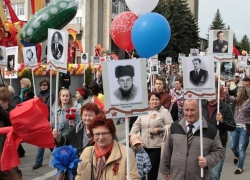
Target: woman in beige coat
{"type": "Point", "coordinates": [153, 127]}
{"type": "Point", "coordinates": [106, 159]}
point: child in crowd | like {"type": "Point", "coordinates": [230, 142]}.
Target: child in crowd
{"type": "Point", "coordinates": [141, 156]}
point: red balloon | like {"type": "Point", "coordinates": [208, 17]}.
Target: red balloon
{"type": "Point", "coordinates": [121, 28]}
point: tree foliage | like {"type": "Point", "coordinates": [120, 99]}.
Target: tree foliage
{"type": "Point", "coordinates": [245, 44]}
{"type": "Point", "coordinates": [217, 23]}
{"type": "Point", "coordinates": [184, 28]}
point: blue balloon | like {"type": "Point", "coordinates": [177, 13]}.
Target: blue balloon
{"type": "Point", "coordinates": [150, 34]}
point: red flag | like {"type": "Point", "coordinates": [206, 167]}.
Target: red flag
{"type": "Point", "coordinates": [235, 51]}
{"type": "Point", "coordinates": [29, 124]}
{"type": "Point", "coordinates": [12, 13]}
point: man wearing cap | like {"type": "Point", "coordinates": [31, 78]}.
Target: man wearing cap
{"type": "Point", "coordinates": [233, 86]}
{"type": "Point", "coordinates": [220, 45]}
{"type": "Point", "coordinates": [127, 90]}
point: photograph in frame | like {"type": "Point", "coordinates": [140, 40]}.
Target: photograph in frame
{"type": "Point", "coordinates": [168, 60]}
{"type": "Point", "coordinates": [126, 82]}
{"type": "Point", "coordinates": [58, 48]}
{"type": "Point", "coordinates": [194, 52]}
{"type": "Point", "coordinates": [198, 77]}
{"type": "Point", "coordinates": [3, 62]}
{"type": "Point", "coordinates": [107, 58]}
{"type": "Point", "coordinates": [30, 57]}
{"type": "Point", "coordinates": [11, 57]}
{"type": "Point", "coordinates": [220, 42]}
{"type": "Point", "coordinates": [84, 58]}
{"type": "Point", "coordinates": [180, 56]}
{"type": "Point", "coordinates": [154, 67]}
{"type": "Point", "coordinates": [227, 70]}
{"type": "Point", "coordinates": [95, 59]}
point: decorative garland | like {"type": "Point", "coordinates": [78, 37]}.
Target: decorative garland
{"type": "Point", "coordinates": [74, 69]}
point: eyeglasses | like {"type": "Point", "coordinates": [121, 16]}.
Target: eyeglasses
{"type": "Point", "coordinates": [43, 84]}
{"type": "Point", "coordinates": [103, 134]}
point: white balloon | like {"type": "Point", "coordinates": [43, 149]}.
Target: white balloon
{"type": "Point", "coordinates": [140, 7]}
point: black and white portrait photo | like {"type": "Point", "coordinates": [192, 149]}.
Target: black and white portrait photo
{"type": "Point", "coordinates": [194, 52]}
{"type": "Point", "coordinates": [84, 58]}
{"type": "Point", "coordinates": [57, 45]}
{"type": "Point", "coordinates": [168, 60]}
{"type": "Point", "coordinates": [2, 54]}
{"type": "Point", "coordinates": [228, 70]}
{"type": "Point", "coordinates": [107, 58]}
{"type": "Point", "coordinates": [248, 61]}
{"type": "Point", "coordinates": [127, 90]}
{"type": "Point", "coordinates": [180, 57]}
{"type": "Point", "coordinates": [154, 67]}
{"type": "Point", "coordinates": [198, 76]}
{"type": "Point", "coordinates": [95, 59]}
{"type": "Point", "coordinates": [11, 62]}
{"type": "Point", "coordinates": [29, 56]}
{"type": "Point", "coordinates": [125, 82]}
{"type": "Point", "coordinates": [58, 49]}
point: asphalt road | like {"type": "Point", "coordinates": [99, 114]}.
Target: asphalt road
{"type": "Point", "coordinates": [47, 173]}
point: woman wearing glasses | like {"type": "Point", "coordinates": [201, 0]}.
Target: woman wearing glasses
{"type": "Point", "coordinates": [44, 96]}
{"type": "Point", "coordinates": [106, 159]}
{"type": "Point", "coordinates": [79, 136]}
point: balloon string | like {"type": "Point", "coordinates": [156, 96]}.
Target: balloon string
{"type": "Point", "coordinates": [129, 55]}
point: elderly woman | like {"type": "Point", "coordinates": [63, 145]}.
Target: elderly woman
{"type": "Point", "coordinates": [26, 92]}
{"type": "Point", "coordinates": [177, 100]}
{"type": "Point", "coordinates": [240, 138]}
{"type": "Point", "coordinates": [153, 127]}
{"type": "Point", "coordinates": [106, 159]}
{"type": "Point", "coordinates": [82, 98]}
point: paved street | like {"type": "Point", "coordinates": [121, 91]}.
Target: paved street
{"type": "Point", "coordinates": [46, 173]}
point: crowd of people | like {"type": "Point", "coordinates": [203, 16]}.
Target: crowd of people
{"type": "Point", "coordinates": [167, 139]}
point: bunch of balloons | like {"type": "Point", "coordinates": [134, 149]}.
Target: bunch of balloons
{"type": "Point", "coordinates": [140, 29]}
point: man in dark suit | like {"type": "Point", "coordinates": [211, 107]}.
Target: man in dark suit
{"type": "Point", "coordinates": [194, 53]}
{"type": "Point", "coordinates": [198, 76]}
{"type": "Point", "coordinates": [220, 45]}
{"type": "Point", "coordinates": [56, 47]}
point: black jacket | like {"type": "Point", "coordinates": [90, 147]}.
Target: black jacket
{"type": "Point", "coordinates": [228, 123]}
{"type": "Point", "coordinates": [199, 79]}
{"type": "Point", "coordinates": [15, 100]}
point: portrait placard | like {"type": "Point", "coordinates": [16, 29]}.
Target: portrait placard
{"type": "Point", "coordinates": [85, 58]}
{"type": "Point", "coordinates": [95, 59]}
{"type": "Point", "coordinates": [220, 42]}
{"type": "Point", "coordinates": [107, 58]}
{"type": "Point", "coordinates": [228, 70]}
{"type": "Point", "coordinates": [216, 72]}
{"type": "Point", "coordinates": [29, 56]}
{"type": "Point", "coordinates": [247, 61]}
{"type": "Point", "coordinates": [168, 60]}
{"type": "Point", "coordinates": [11, 57]}
{"type": "Point", "coordinates": [198, 77]}
{"type": "Point", "coordinates": [58, 49]}
{"type": "Point", "coordinates": [194, 52]}
{"type": "Point", "coordinates": [3, 61]}
{"type": "Point", "coordinates": [180, 56]}
{"type": "Point", "coordinates": [154, 66]}
{"type": "Point", "coordinates": [125, 82]}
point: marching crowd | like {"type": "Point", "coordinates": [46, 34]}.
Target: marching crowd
{"type": "Point", "coordinates": [165, 140]}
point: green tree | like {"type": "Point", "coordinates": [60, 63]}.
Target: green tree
{"type": "Point", "coordinates": [236, 42]}
{"type": "Point", "coordinates": [217, 23]}
{"type": "Point", "coordinates": [245, 44]}
{"type": "Point", "coordinates": [184, 28]}
{"type": "Point", "coordinates": [88, 74]}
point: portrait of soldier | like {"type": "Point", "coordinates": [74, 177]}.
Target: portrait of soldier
{"type": "Point", "coordinates": [198, 76]}
{"type": "Point", "coordinates": [220, 45]}
{"type": "Point", "coordinates": [125, 77]}
{"type": "Point", "coordinates": [227, 71]}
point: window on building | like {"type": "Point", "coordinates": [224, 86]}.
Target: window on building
{"type": "Point", "coordinates": [20, 9]}
{"type": "Point", "coordinates": [79, 4]}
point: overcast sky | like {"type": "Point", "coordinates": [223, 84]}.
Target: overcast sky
{"type": "Point", "coordinates": [234, 13]}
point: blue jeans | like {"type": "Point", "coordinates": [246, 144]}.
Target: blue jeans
{"type": "Point", "coordinates": [216, 171]}
{"type": "Point", "coordinates": [39, 156]}
{"type": "Point", "coordinates": [238, 142]}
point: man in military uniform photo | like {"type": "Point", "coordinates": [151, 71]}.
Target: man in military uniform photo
{"type": "Point", "coordinates": [227, 73]}
{"type": "Point", "coordinates": [220, 45]}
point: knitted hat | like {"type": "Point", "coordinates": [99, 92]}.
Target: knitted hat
{"type": "Point", "coordinates": [127, 70]}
